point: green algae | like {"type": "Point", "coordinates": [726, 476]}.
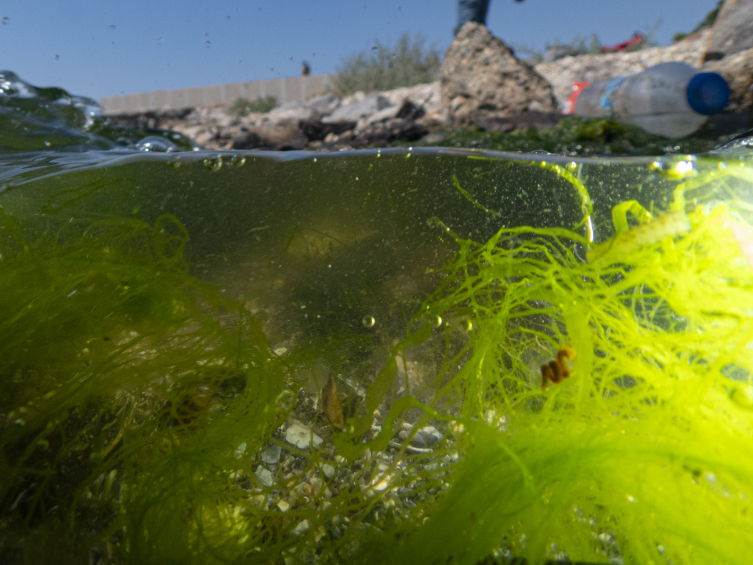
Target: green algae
{"type": "Point", "coordinates": [649, 439]}
{"type": "Point", "coordinates": [578, 136]}
{"type": "Point", "coordinates": [129, 380]}
{"type": "Point", "coordinates": [112, 355]}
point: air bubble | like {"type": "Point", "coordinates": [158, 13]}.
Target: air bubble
{"type": "Point", "coordinates": [368, 321]}
{"type": "Point", "coordinates": [436, 321]}
{"type": "Point", "coordinates": [742, 397]}
{"type": "Point", "coordinates": [285, 400]}
{"type": "Point", "coordinates": [213, 164]}
{"type": "Point", "coordinates": [238, 161]}
{"type": "Point", "coordinates": [684, 167]}
{"type": "Point", "coordinates": [468, 325]}
{"type": "Point", "coordinates": [156, 144]}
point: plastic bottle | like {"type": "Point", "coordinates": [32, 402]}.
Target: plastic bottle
{"type": "Point", "coordinates": [668, 99]}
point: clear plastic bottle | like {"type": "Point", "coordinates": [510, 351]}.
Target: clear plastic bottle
{"type": "Point", "coordinates": [669, 99]}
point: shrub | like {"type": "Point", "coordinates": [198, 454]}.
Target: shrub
{"type": "Point", "coordinates": [384, 67]}
{"type": "Point", "coordinates": [242, 106]}
{"type": "Point", "coordinates": [707, 21]}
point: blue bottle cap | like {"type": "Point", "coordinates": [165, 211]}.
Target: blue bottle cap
{"type": "Point", "coordinates": [708, 93]}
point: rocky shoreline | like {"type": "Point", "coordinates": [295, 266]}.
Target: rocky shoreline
{"type": "Point", "coordinates": [482, 85]}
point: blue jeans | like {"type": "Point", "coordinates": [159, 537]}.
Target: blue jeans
{"type": "Point", "coordinates": [471, 11]}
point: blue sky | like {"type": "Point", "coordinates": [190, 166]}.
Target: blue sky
{"type": "Point", "coordinates": [103, 48]}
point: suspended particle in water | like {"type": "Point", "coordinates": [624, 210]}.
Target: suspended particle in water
{"type": "Point", "coordinates": [213, 164]}
{"type": "Point", "coordinates": [436, 321]}
{"type": "Point", "coordinates": [368, 321]}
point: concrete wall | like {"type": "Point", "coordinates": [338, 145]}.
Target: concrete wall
{"type": "Point", "coordinates": [284, 89]}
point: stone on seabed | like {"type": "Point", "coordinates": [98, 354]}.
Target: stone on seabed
{"type": "Point", "coordinates": [301, 436]}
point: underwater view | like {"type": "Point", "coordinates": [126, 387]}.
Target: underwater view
{"type": "Point", "coordinates": [405, 355]}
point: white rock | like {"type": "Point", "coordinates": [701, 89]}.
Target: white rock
{"type": "Point", "coordinates": [271, 455]}
{"type": "Point", "coordinates": [387, 113]}
{"type": "Point", "coordinates": [264, 476]}
{"type": "Point", "coordinates": [324, 105]}
{"type": "Point", "coordinates": [293, 110]}
{"type": "Point", "coordinates": [425, 437]}
{"type": "Point", "coordinates": [301, 436]}
{"type": "Point", "coordinates": [300, 528]}
{"type": "Point", "coordinates": [355, 110]}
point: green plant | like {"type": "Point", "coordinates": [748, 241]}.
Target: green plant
{"type": "Point", "coordinates": [574, 135]}
{"type": "Point", "coordinates": [243, 107]}
{"type": "Point", "coordinates": [128, 386]}
{"type": "Point", "coordinates": [708, 21]}
{"type": "Point", "coordinates": [578, 43]}
{"type": "Point", "coordinates": [529, 54]}
{"type": "Point", "coordinates": [628, 456]}
{"type": "Point", "coordinates": [384, 67]}
{"type": "Point", "coordinates": [594, 45]}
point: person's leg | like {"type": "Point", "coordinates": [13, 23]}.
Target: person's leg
{"type": "Point", "coordinates": [471, 11]}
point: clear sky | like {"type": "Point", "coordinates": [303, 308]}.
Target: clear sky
{"type": "Point", "coordinates": [107, 47]}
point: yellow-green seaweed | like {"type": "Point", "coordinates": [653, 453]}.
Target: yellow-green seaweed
{"type": "Point", "coordinates": [645, 451]}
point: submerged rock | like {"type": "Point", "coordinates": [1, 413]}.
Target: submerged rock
{"type": "Point", "coordinates": [302, 436]}
{"type": "Point", "coordinates": [423, 438]}
{"type": "Point", "coordinates": [264, 476]}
